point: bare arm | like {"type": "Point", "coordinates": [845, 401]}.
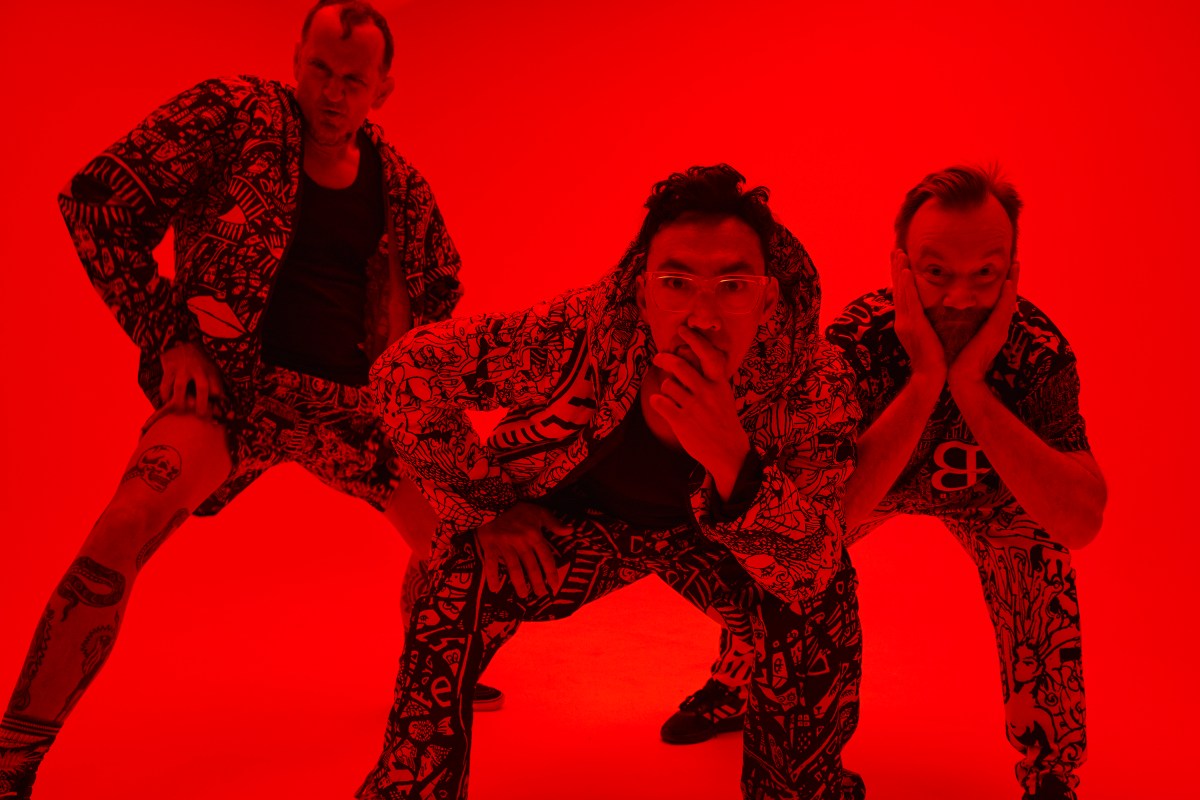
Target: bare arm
{"type": "Point", "coordinates": [885, 447]}
{"type": "Point", "coordinates": [1064, 492]}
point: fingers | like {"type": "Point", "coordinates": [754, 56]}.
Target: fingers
{"type": "Point", "coordinates": [899, 264]}
{"type": "Point", "coordinates": [712, 361]}
{"type": "Point", "coordinates": [491, 564]}
{"type": "Point", "coordinates": [667, 408]}
{"type": "Point", "coordinates": [684, 373]}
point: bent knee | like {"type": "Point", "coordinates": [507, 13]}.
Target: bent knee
{"type": "Point", "coordinates": [127, 534]}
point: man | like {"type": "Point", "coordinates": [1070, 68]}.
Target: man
{"type": "Point", "coordinates": [274, 193]}
{"type": "Point", "coordinates": [970, 402]}
{"type": "Point", "coordinates": [681, 417]}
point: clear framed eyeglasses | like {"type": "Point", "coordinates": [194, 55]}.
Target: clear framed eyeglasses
{"type": "Point", "coordinates": [733, 294]}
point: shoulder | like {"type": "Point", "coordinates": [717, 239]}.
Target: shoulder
{"type": "Point", "coordinates": [1036, 349]}
{"type": "Point", "coordinates": [872, 312]}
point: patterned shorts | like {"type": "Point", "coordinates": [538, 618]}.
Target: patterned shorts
{"type": "Point", "coordinates": [331, 429]}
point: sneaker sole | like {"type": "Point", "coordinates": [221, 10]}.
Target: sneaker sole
{"type": "Point", "coordinates": [727, 725]}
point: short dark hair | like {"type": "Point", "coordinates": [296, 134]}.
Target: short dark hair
{"type": "Point", "coordinates": [354, 13]}
{"type": "Point", "coordinates": [707, 192]}
{"type": "Point", "coordinates": [959, 187]}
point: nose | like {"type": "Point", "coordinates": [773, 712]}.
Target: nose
{"type": "Point", "coordinates": [704, 315]}
{"type": "Point", "coordinates": [959, 296]}
{"type": "Point", "coordinates": [334, 89]}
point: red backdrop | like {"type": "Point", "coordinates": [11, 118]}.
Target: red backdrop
{"type": "Point", "coordinates": [262, 644]}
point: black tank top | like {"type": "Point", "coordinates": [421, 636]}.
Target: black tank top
{"type": "Point", "coordinates": [316, 320]}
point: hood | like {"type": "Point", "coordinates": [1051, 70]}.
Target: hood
{"type": "Point", "coordinates": [620, 341]}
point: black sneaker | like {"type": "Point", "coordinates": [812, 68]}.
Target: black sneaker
{"type": "Point", "coordinates": [716, 708]}
{"type": "Point", "coordinates": [487, 698]}
{"type": "Point", "coordinates": [1051, 787]}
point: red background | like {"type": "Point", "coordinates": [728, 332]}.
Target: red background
{"type": "Point", "coordinates": [257, 658]}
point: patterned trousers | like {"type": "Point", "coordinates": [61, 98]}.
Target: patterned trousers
{"type": "Point", "coordinates": [804, 682]}
{"type": "Point", "coordinates": [1029, 587]}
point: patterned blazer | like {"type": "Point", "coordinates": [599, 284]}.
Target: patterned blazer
{"type": "Point", "coordinates": [568, 370]}
{"type": "Point", "coordinates": [221, 164]}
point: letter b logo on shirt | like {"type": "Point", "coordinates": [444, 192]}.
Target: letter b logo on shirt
{"type": "Point", "coordinates": [960, 466]}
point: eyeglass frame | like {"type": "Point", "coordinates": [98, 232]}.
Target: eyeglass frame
{"type": "Point", "coordinates": [706, 285]}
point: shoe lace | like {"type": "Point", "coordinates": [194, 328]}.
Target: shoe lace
{"type": "Point", "coordinates": [711, 696]}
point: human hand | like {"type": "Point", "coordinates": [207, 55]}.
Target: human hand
{"type": "Point", "coordinates": [516, 540]}
{"type": "Point", "coordinates": [189, 381]}
{"type": "Point", "coordinates": [926, 354]}
{"type": "Point", "coordinates": [699, 406]}
{"type": "Point", "coordinates": [973, 363]}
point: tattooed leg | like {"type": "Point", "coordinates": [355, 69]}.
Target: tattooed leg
{"type": "Point", "coordinates": [78, 628]}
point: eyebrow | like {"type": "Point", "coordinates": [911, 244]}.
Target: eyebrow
{"type": "Point", "coordinates": [736, 268]}
{"type": "Point", "coordinates": [929, 252]}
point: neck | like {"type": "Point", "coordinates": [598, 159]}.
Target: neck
{"type": "Point", "coordinates": [330, 152]}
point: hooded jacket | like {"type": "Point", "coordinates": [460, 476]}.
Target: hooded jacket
{"type": "Point", "coordinates": [221, 164]}
{"type": "Point", "coordinates": [568, 370]}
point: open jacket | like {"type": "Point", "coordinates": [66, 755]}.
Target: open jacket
{"type": "Point", "coordinates": [568, 371]}
{"type": "Point", "coordinates": [221, 164]}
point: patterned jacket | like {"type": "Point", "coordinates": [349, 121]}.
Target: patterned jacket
{"type": "Point", "coordinates": [567, 371]}
{"type": "Point", "coordinates": [221, 164]}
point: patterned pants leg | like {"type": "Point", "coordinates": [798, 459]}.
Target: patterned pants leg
{"type": "Point", "coordinates": [1029, 587]}
{"type": "Point", "coordinates": [804, 693]}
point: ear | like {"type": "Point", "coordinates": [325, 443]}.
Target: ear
{"type": "Point", "coordinates": [385, 91]}
{"type": "Point", "coordinates": [296, 61]}
{"type": "Point", "coordinates": [640, 294]}
{"type": "Point", "coordinates": [770, 299]}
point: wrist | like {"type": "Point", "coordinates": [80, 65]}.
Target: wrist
{"type": "Point", "coordinates": [726, 468]}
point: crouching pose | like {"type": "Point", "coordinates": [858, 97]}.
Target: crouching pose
{"type": "Point", "coordinates": [970, 401]}
{"type": "Point", "coordinates": [681, 417]}
{"type": "Point", "coordinates": [275, 193]}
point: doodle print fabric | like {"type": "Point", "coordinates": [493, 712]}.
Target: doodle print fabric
{"type": "Point", "coordinates": [1027, 579]}
{"type": "Point", "coordinates": [221, 162]}
{"type": "Point", "coordinates": [567, 372]}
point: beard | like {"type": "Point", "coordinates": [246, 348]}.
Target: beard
{"type": "Point", "coordinates": [955, 327]}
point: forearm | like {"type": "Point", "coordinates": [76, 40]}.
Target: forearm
{"type": "Point", "coordinates": [1057, 489]}
{"type": "Point", "coordinates": [885, 448]}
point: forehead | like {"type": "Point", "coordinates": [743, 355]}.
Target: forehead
{"type": "Point", "coordinates": [960, 232]}
{"type": "Point", "coordinates": [326, 40]}
{"type": "Point", "coordinates": [706, 246]}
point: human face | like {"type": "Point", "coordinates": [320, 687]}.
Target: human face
{"type": "Point", "coordinates": [706, 248]}
{"type": "Point", "coordinates": [960, 258]}
{"type": "Point", "coordinates": [338, 80]}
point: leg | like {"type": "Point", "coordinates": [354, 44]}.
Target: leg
{"type": "Point", "coordinates": [804, 697]}
{"type": "Point", "coordinates": [1029, 587]}
{"type": "Point", "coordinates": [427, 742]}
{"type": "Point", "coordinates": [408, 512]}
{"type": "Point", "coordinates": [176, 465]}
{"type": "Point", "coordinates": [803, 694]}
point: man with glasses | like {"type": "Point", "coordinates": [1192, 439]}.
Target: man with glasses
{"type": "Point", "coordinates": [681, 417]}
{"type": "Point", "coordinates": [970, 399]}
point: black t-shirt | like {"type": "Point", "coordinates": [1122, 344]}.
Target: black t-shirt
{"type": "Point", "coordinates": [316, 320]}
{"type": "Point", "coordinates": [1034, 376]}
{"type": "Point", "coordinates": [632, 475]}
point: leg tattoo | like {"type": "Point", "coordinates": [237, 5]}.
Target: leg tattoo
{"type": "Point", "coordinates": [33, 662]}
{"type": "Point", "coordinates": [157, 466]}
{"type": "Point", "coordinates": [77, 585]}
{"type": "Point", "coordinates": [150, 547]}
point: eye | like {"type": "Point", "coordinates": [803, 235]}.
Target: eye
{"type": "Point", "coordinates": [675, 283]}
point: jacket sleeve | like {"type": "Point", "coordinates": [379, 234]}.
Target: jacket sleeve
{"type": "Point", "coordinates": [119, 206]}
{"type": "Point", "coordinates": [789, 537]}
{"type": "Point", "coordinates": [439, 259]}
{"type": "Point", "coordinates": [428, 380]}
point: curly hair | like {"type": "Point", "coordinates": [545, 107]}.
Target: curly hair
{"type": "Point", "coordinates": [713, 192]}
